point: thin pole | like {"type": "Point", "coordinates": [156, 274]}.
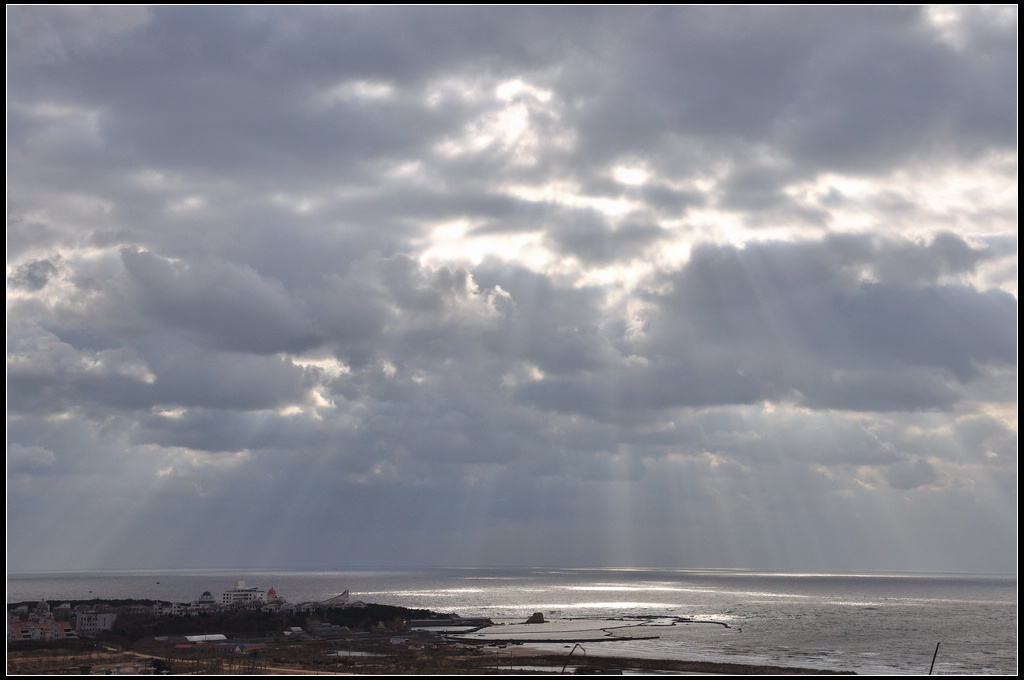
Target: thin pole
{"type": "Point", "coordinates": [933, 657]}
{"type": "Point", "coordinates": [570, 655]}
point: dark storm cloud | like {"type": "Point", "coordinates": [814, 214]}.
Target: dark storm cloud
{"type": "Point", "coordinates": [755, 188]}
{"type": "Point", "coordinates": [946, 255]}
{"type": "Point", "coordinates": [761, 192]}
{"type": "Point", "coordinates": [229, 381]}
{"type": "Point", "coordinates": [590, 238]}
{"type": "Point", "coordinates": [910, 475]}
{"type": "Point", "coordinates": [55, 35]}
{"type": "Point", "coordinates": [243, 96]}
{"type": "Point", "coordinates": [826, 86]}
{"type": "Point", "coordinates": [477, 285]}
{"type": "Point", "coordinates": [33, 275]}
{"type": "Point", "coordinates": [841, 293]}
{"type": "Point", "coordinates": [257, 110]}
{"type": "Point", "coordinates": [805, 322]}
{"type": "Point", "coordinates": [28, 459]}
{"type": "Point", "coordinates": [230, 306]}
{"type": "Point", "coordinates": [675, 385]}
{"type": "Point", "coordinates": [46, 375]}
{"type": "Point", "coordinates": [558, 329]}
{"type": "Point", "coordinates": [227, 429]}
{"type": "Point", "coordinates": [830, 88]}
{"type": "Point", "coordinates": [985, 436]}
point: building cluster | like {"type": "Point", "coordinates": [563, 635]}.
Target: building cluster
{"type": "Point", "coordinates": [253, 597]}
{"type": "Point", "coordinates": [41, 622]}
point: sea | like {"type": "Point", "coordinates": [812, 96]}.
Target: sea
{"type": "Point", "coordinates": [907, 624]}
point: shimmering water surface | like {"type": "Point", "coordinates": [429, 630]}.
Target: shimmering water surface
{"type": "Point", "coordinates": [865, 623]}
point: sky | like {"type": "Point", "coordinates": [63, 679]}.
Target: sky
{"type": "Point", "coordinates": [359, 287]}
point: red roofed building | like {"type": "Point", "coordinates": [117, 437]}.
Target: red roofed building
{"type": "Point", "coordinates": [42, 629]}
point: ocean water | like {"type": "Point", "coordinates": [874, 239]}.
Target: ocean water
{"type": "Point", "coordinates": [870, 623]}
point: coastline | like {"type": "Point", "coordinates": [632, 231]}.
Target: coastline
{"type": "Point", "coordinates": [867, 624]}
{"type": "Point", "coordinates": [360, 639]}
{"type": "Point", "coordinates": [103, 659]}
{"type": "Point", "coordinates": [527, 657]}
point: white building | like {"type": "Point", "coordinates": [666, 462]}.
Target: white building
{"type": "Point", "coordinates": [240, 594]}
{"type": "Point", "coordinates": [91, 622]}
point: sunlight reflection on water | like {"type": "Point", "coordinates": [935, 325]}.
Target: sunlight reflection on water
{"type": "Point", "coordinates": [866, 624]}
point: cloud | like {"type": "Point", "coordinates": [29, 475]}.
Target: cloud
{"type": "Point", "coordinates": [47, 375]}
{"type": "Point", "coordinates": [33, 275]}
{"type": "Point", "coordinates": [596, 242]}
{"type": "Point", "coordinates": [911, 475]}
{"type": "Point", "coordinates": [777, 320]}
{"type": "Point", "coordinates": [572, 285]}
{"type": "Point", "coordinates": [228, 305]}
{"type": "Point", "coordinates": [57, 34]}
{"type": "Point", "coordinates": [28, 459]}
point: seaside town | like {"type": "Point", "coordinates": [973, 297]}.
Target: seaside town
{"type": "Point", "coordinates": [234, 633]}
{"type": "Point", "coordinates": [65, 621]}
{"type": "Point", "coordinates": [249, 630]}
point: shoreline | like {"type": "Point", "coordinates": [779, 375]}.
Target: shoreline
{"type": "Point", "coordinates": [380, 643]}
{"type": "Point", "coordinates": [583, 643]}
{"type": "Point", "coordinates": [528, 657]}
{"type": "Point", "coordinates": [502, 661]}
{"type": "Point", "coordinates": [826, 623]}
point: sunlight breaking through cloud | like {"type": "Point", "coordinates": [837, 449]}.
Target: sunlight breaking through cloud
{"type": "Point", "coordinates": [685, 286]}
